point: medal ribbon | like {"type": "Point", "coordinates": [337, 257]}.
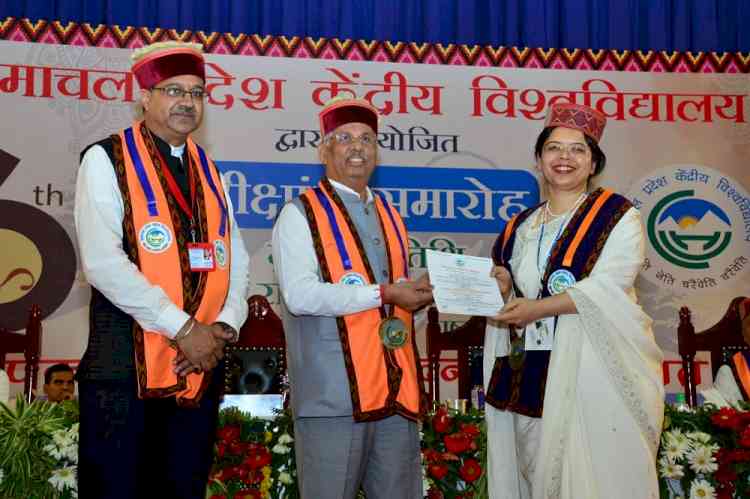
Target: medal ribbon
{"type": "Point", "coordinates": [398, 233]}
{"type": "Point", "coordinates": [140, 170]}
{"type": "Point", "coordinates": [212, 185]}
{"type": "Point", "coordinates": [345, 259]}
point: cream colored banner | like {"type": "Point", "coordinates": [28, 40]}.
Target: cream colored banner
{"type": "Point", "coordinates": [456, 148]}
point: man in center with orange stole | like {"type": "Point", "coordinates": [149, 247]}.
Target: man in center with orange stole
{"type": "Point", "coordinates": [340, 253]}
{"type": "Point", "coordinates": [169, 274]}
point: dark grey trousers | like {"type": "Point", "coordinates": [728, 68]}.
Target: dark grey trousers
{"type": "Point", "coordinates": [336, 456]}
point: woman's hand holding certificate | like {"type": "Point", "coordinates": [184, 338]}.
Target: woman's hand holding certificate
{"type": "Point", "coordinates": [463, 284]}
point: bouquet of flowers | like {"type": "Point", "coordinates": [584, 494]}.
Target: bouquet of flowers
{"type": "Point", "coordinates": [454, 455]}
{"type": "Point", "coordinates": [254, 458]}
{"type": "Point", "coordinates": [39, 449]}
{"type": "Point", "coordinates": [706, 451]}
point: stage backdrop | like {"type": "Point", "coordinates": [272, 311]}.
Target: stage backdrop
{"type": "Point", "coordinates": [456, 158]}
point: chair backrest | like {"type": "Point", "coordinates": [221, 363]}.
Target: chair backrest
{"type": "Point", "coordinates": [256, 363]}
{"type": "Point", "coordinates": [722, 340]}
{"type": "Point", "coordinates": [29, 344]}
{"type": "Point", "coordinates": [464, 339]}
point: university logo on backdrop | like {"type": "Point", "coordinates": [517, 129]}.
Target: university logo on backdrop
{"type": "Point", "coordinates": [698, 225]}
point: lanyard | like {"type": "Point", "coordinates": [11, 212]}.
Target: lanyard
{"type": "Point", "coordinates": [543, 269]}
{"type": "Point", "coordinates": [179, 197]}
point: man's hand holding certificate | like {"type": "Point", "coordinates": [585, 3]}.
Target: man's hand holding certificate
{"type": "Point", "coordinates": [462, 284]}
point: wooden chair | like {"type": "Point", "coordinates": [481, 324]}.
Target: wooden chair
{"type": "Point", "coordinates": [467, 340]}
{"type": "Point", "coordinates": [258, 359]}
{"type": "Point", "coordinates": [29, 344]}
{"type": "Point", "coordinates": [722, 340]}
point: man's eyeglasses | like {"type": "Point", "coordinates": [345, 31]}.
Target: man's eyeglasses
{"type": "Point", "coordinates": [345, 138]}
{"type": "Point", "coordinates": [175, 92]}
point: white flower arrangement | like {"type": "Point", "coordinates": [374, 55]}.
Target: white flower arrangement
{"type": "Point", "coordinates": [688, 460]}
{"type": "Point", "coordinates": [64, 449]}
{"type": "Point", "coordinates": [701, 489]}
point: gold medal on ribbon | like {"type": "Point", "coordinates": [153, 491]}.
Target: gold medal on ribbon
{"type": "Point", "coordinates": [393, 332]}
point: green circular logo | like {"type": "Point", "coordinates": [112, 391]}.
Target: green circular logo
{"type": "Point", "coordinates": [697, 223]}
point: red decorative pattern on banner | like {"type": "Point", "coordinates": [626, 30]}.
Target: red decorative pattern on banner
{"type": "Point", "coordinates": [24, 30]}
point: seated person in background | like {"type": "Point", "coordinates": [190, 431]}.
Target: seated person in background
{"type": "Point", "coordinates": [58, 383]}
{"type": "Point", "coordinates": [732, 383]}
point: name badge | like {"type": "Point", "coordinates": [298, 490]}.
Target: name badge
{"type": "Point", "coordinates": [540, 334]}
{"type": "Point", "coordinates": [201, 256]}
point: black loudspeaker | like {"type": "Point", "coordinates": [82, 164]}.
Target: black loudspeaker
{"type": "Point", "coordinates": [253, 372]}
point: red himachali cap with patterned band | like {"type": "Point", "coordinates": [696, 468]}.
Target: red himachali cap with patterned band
{"type": "Point", "coordinates": [160, 61]}
{"type": "Point", "coordinates": [340, 111]}
{"type": "Point", "coordinates": [578, 117]}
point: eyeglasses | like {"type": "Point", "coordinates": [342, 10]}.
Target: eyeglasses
{"type": "Point", "coordinates": [345, 138]}
{"type": "Point", "coordinates": [175, 92]}
{"type": "Point", "coordinates": [576, 149]}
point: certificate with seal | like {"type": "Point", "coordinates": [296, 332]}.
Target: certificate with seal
{"type": "Point", "coordinates": [461, 284]}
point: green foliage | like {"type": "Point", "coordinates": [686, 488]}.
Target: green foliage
{"type": "Point", "coordinates": [24, 432]}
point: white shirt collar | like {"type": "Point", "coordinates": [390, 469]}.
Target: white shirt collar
{"type": "Point", "coordinates": [345, 188]}
{"type": "Point", "coordinates": [177, 151]}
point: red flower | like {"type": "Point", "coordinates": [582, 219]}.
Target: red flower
{"type": "Point", "coordinates": [745, 437]}
{"type": "Point", "coordinates": [470, 429]}
{"type": "Point", "coordinates": [257, 457]}
{"type": "Point", "coordinates": [739, 456]}
{"type": "Point", "coordinates": [229, 433]}
{"type": "Point", "coordinates": [437, 470]}
{"type": "Point", "coordinates": [435, 494]}
{"type": "Point", "coordinates": [726, 417]}
{"type": "Point", "coordinates": [457, 443]}
{"type": "Point", "coordinates": [221, 448]}
{"type": "Point", "coordinates": [218, 496]}
{"type": "Point", "coordinates": [236, 447]}
{"type": "Point", "coordinates": [441, 421]}
{"type": "Point", "coordinates": [248, 494]}
{"type": "Point", "coordinates": [725, 474]}
{"type": "Point", "coordinates": [470, 470]}
{"type": "Point", "coordinates": [431, 455]}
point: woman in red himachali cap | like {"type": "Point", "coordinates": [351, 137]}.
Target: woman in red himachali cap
{"type": "Point", "coordinates": [574, 391]}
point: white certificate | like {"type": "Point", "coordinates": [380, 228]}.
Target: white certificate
{"type": "Point", "coordinates": [461, 284]}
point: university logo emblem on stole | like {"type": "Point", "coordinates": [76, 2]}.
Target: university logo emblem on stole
{"type": "Point", "coordinates": [559, 281]}
{"type": "Point", "coordinates": [220, 252]}
{"type": "Point", "coordinates": [352, 279]}
{"type": "Point", "coordinates": [155, 237]}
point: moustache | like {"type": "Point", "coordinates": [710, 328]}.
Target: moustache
{"type": "Point", "coordinates": [184, 110]}
{"type": "Point", "coordinates": [357, 155]}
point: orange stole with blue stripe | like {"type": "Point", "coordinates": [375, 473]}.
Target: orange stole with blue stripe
{"type": "Point", "coordinates": [158, 248]}
{"type": "Point", "coordinates": [521, 390]}
{"type": "Point", "coordinates": [741, 371]}
{"type": "Point", "coordinates": [382, 381]}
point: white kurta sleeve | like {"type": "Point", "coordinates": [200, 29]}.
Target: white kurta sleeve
{"type": "Point", "coordinates": [297, 270]}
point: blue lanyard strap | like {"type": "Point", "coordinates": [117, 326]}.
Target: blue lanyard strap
{"type": "Point", "coordinates": [140, 171]}
{"type": "Point", "coordinates": [212, 185]}
{"type": "Point", "coordinates": [323, 199]}
{"type": "Point", "coordinates": [398, 233]}
{"type": "Point", "coordinates": [549, 252]}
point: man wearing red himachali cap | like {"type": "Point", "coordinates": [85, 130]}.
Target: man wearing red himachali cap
{"type": "Point", "coordinates": [340, 252]}
{"type": "Point", "coordinates": [572, 371]}
{"type": "Point", "coordinates": [168, 273]}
